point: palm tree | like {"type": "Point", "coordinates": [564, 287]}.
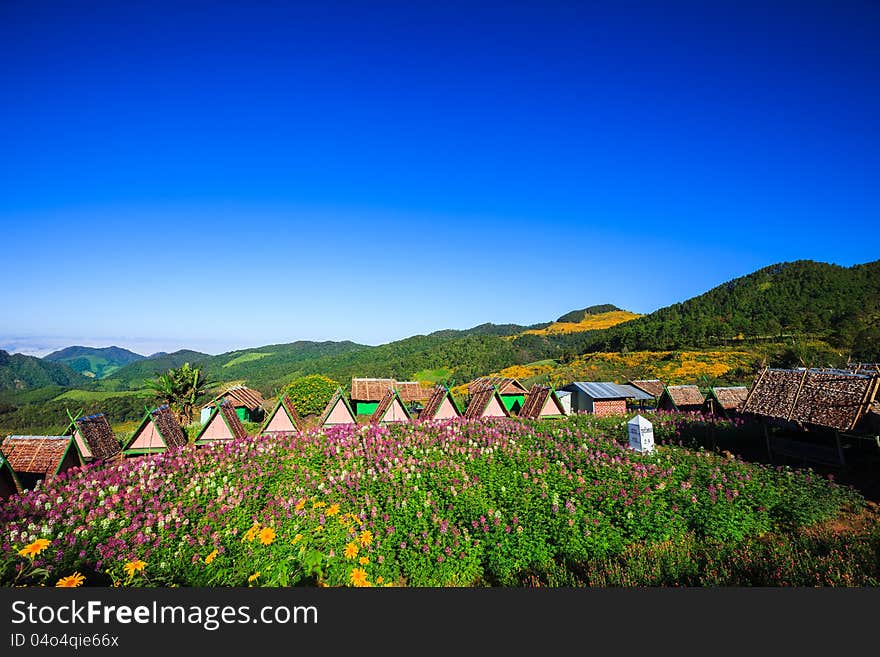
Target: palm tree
{"type": "Point", "coordinates": [180, 388]}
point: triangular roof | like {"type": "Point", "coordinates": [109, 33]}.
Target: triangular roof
{"type": "Point", "coordinates": [286, 407]}
{"type": "Point", "coordinates": [653, 387]}
{"type": "Point", "coordinates": [683, 396]}
{"type": "Point", "coordinates": [166, 427]}
{"type": "Point", "coordinates": [240, 397]}
{"type": "Point", "coordinates": [390, 404]}
{"type": "Point", "coordinates": [480, 402]}
{"type": "Point", "coordinates": [539, 400]}
{"type": "Point", "coordinates": [730, 398]}
{"type": "Point", "coordinates": [41, 455]}
{"type": "Point", "coordinates": [94, 438]}
{"type": "Point", "coordinates": [9, 483]}
{"type": "Point", "coordinates": [338, 397]}
{"type": "Point", "coordinates": [504, 385]}
{"type": "Point", "coordinates": [435, 402]}
{"type": "Point", "coordinates": [223, 412]}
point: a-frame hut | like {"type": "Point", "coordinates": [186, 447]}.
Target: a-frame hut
{"type": "Point", "coordinates": [94, 439]}
{"type": "Point", "coordinates": [9, 484]}
{"type": "Point", "coordinates": [542, 402]}
{"type": "Point", "coordinates": [283, 418]}
{"type": "Point", "coordinates": [681, 398]}
{"type": "Point", "coordinates": [725, 402]}
{"type": "Point", "coordinates": [158, 431]}
{"type": "Point", "coordinates": [39, 458]}
{"type": "Point", "coordinates": [390, 410]}
{"type": "Point", "coordinates": [486, 403]}
{"type": "Point", "coordinates": [247, 402]}
{"type": "Point", "coordinates": [222, 425]}
{"type": "Point", "coordinates": [440, 406]}
{"type": "Point", "coordinates": [338, 411]}
{"type": "Point", "coordinates": [511, 392]}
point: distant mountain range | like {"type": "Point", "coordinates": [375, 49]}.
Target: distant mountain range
{"type": "Point", "coordinates": [94, 362]}
{"type": "Point", "coordinates": [837, 306]}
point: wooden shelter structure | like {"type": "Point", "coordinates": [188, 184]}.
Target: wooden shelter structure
{"type": "Point", "coordinates": [440, 405]}
{"type": "Point", "coordinates": [247, 402]}
{"type": "Point", "coordinates": [725, 402]}
{"type": "Point", "coordinates": [542, 402]}
{"type": "Point", "coordinates": [603, 397]}
{"type": "Point", "coordinates": [338, 411]}
{"type": "Point", "coordinates": [282, 419]}
{"type": "Point", "coordinates": [158, 431]}
{"type": "Point", "coordinates": [487, 402]}
{"type": "Point", "coordinates": [511, 391]}
{"type": "Point", "coordinates": [39, 458]}
{"type": "Point", "coordinates": [390, 410]}
{"type": "Point", "coordinates": [812, 401]}
{"type": "Point", "coordinates": [653, 387]}
{"type": "Point", "coordinates": [94, 439]}
{"type": "Point", "coordinates": [223, 425]}
{"type": "Point", "coordinates": [681, 398]}
{"type": "Point", "coordinates": [366, 394]}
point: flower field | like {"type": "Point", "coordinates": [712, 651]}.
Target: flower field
{"type": "Point", "coordinates": [455, 503]}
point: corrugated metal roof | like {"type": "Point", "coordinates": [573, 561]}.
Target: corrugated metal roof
{"type": "Point", "coordinates": [608, 390]}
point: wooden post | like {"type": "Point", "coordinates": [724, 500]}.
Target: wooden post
{"type": "Point", "coordinates": [767, 439]}
{"type": "Point", "coordinates": [839, 448]}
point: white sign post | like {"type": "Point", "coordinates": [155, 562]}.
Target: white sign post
{"type": "Point", "coordinates": [641, 434]}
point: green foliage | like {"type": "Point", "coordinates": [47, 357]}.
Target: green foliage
{"type": "Point", "coordinates": [19, 372]}
{"type": "Point", "coordinates": [180, 388]}
{"type": "Point", "coordinates": [310, 394]}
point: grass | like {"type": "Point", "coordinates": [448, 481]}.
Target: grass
{"type": "Point", "coordinates": [433, 376]}
{"type": "Point", "coordinates": [248, 357]}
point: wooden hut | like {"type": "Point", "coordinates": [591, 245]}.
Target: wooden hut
{"type": "Point", "coordinates": [440, 406]}
{"type": "Point", "coordinates": [653, 387]}
{"type": "Point", "coordinates": [681, 398]}
{"type": "Point", "coordinates": [812, 401]}
{"type": "Point", "coordinates": [9, 484]}
{"type": "Point", "coordinates": [283, 418]}
{"type": "Point", "coordinates": [39, 458]}
{"type": "Point", "coordinates": [94, 439]}
{"type": "Point", "coordinates": [247, 402]}
{"type": "Point", "coordinates": [158, 431]}
{"type": "Point", "coordinates": [367, 393]}
{"type": "Point", "coordinates": [602, 397]}
{"type": "Point", "coordinates": [511, 391]}
{"type": "Point", "coordinates": [390, 410]}
{"type": "Point", "coordinates": [542, 402]}
{"type": "Point", "coordinates": [725, 402]}
{"type": "Point", "coordinates": [338, 411]}
{"type": "Point", "coordinates": [223, 424]}
{"type": "Point", "coordinates": [487, 402]}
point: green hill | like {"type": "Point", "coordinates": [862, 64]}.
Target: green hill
{"type": "Point", "coordinates": [19, 372]}
{"type": "Point", "coordinates": [132, 376]}
{"type": "Point", "coordinates": [94, 361]}
{"type": "Point", "coordinates": [576, 316]}
{"type": "Point", "coordinates": [801, 299]}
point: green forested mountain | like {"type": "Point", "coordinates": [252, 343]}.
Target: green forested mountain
{"type": "Point", "coordinates": [840, 305]}
{"type": "Point", "coordinates": [132, 376]}
{"type": "Point", "coordinates": [94, 361]}
{"type": "Point", "coordinates": [19, 372]}
{"type": "Point", "coordinates": [576, 316]}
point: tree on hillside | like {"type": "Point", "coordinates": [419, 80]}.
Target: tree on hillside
{"type": "Point", "coordinates": [180, 388]}
{"type": "Point", "coordinates": [310, 394]}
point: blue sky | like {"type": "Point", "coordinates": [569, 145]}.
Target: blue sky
{"type": "Point", "coordinates": [217, 175]}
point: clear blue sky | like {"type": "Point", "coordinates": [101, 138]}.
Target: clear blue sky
{"type": "Point", "coordinates": [220, 175]}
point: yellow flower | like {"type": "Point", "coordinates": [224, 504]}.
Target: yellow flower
{"type": "Point", "coordinates": [71, 581]}
{"type": "Point", "coordinates": [251, 533]}
{"type": "Point", "coordinates": [366, 537]}
{"type": "Point", "coordinates": [319, 528]}
{"type": "Point", "coordinates": [300, 505]}
{"type": "Point", "coordinates": [380, 579]}
{"type": "Point", "coordinates": [333, 510]}
{"type": "Point", "coordinates": [296, 539]}
{"type": "Point", "coordinates": [133, 567]}
{"type": "Point", "coordinates": [34, 548]}
{"type": "Point", "coordinates": [211, 556]}
{"type": "Point", "coordinates": [253, 577]}
{"type": "Point", "coordinates": [358, 577]}
{"type": "Point", "coordinates": [351, 550]}
{"type": "Point", "coordinates": [267, 535]}
{"type": "Point", "coordinates": [319, 505]}
{"type": "Point", "coordinates": [344, 521]}
{"type": "Point", "coordinates": [364, 560]}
